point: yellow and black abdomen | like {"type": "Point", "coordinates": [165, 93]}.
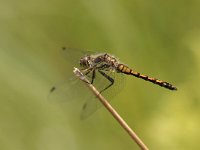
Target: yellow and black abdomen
{"type": "Point", "coordinates": [126, 70]}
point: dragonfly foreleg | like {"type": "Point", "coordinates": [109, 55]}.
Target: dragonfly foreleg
{"type": "Point", "coordinates": [89, 70]}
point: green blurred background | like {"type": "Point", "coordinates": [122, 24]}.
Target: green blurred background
{"type": "Point", "coordinates": [157, 38]}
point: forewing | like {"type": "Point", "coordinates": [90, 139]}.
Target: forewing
{"type": "Point", "coordinates": [69, 88]}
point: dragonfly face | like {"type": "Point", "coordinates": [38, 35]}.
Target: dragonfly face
{"type": "Point", "coordinates": [85, 62]}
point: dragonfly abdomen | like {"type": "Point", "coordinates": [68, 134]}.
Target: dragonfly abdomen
{"type": "Point", "coordinates": [126, 70]}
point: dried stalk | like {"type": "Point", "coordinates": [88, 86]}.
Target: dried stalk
{"type": "Point", "coordinates": [107, 105]}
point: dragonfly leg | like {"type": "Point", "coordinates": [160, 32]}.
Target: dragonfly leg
{"type": "Point", "coordinates": [87, 71]}
{"type": "Point", "coordinates": [109, 79]}
{"type": "Point", "coordinates": [93, 76]}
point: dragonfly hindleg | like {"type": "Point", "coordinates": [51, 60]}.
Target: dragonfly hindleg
{"type": "Point", "coordinates": [109, 79]}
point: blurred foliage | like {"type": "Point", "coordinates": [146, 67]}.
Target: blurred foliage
{"type": "Point", "coordinates": [157, 38]}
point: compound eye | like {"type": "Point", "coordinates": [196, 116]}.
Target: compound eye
{"type": "Point", "coordinates": [83, 62]}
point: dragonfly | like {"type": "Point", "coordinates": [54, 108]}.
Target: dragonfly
{"type": "Point", "coordinates": [104, 71]}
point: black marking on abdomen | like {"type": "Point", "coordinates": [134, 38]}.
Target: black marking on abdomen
{"type": "Point", "coordinates": [126, 70]}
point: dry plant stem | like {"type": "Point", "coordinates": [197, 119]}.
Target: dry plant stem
{"type": "Point", "coordinates": [133, 135]}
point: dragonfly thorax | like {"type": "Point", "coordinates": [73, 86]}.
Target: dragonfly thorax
{"type": "Point", "coordinates": [99, 61]}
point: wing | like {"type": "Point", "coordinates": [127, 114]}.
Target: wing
{"type": "Point", "coordinates": [67, 89]}
{"type": "Point", "coordinates": [73, 89]}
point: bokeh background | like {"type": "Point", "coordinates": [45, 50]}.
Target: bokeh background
{"type": "Point", "coordinates": [157, 38]}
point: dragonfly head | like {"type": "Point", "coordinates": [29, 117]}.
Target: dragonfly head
{"type": "Point", "coordinates": [85, 61]}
